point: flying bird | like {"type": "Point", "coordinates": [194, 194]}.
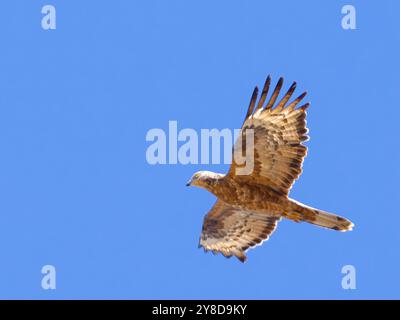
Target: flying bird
{"type": "Point", "coordinates": [249, 206]}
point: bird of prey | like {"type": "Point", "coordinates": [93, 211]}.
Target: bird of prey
{"type": "Point", "coordinates": [249, 206]}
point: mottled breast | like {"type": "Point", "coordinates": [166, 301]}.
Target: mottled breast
{"type": "Point", "coordinates": [251, 197]}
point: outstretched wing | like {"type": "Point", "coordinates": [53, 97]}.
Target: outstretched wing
{"type": "Point", "coordinates": [279, 131]}
{"type": "Point", "coordinates": [232, 232]}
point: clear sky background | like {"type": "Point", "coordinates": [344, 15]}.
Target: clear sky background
{"type": "Point", "coordinates": [76, 103]}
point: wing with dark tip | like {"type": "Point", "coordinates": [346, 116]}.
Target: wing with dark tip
{"type": "Point", "coordinates": [231, 231]}
{"type": "Point", "coordinates": [279, 132]}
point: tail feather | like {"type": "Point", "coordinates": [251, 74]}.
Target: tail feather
{"type": "Point", "coordinates": [301, 212]}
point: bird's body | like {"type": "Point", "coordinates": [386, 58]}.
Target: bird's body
{"type": "Point", "coordinates": [247, 196]}
{"type": "Point", "coordinates": [250, 204]}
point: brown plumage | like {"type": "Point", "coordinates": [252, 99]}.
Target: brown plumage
{"type": "Point", "coordinates": [249, 206]}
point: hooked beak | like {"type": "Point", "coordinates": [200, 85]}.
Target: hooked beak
{"type": "Point", "coordinates": [188, 183]}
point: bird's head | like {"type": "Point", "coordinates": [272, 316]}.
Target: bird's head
{"type": "Point", "coordinates": [204, 179]}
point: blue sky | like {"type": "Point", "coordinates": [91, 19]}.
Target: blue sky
{"type": "Point", "coordinates": [76, 104]}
